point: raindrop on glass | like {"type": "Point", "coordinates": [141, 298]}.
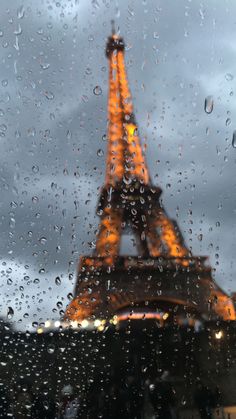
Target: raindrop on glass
{"type": "Point", "coordinates": [35, 169]}
{"type": "Point", "coordinates": [10, 313]}
{"type": "Point", "coordinates": [228, 122]}
{"type": "Point", "coordinates": [85, 98]}
{"type": "Point", "coordinates": [44, 66]}
{"type": "Point", "coordinates": [127, 180]}
{"type": "Point", "coordinates": [234, 139]}
{"type": "Point", "coordinates": [97, 90]}
{"type": "Point", "coordinates": [100, 152]}
{"type": "Point", "coordinates": [58, 280]}
{"type": "Point", "coordinates": [35, 199]}
{"type": "Point", "coordinates": [69, 135]}
{"type": "Point", "coordinates": [208, 106]}
{"type": "Point", "coordinates": [20, 12]}
{"type": "Point", "coordinates": [51, 349]}
{"type": "Point", "coordinates": [31, 132]}
{"type": "Point", "coordinates": [18, 31]}
{"type": "Point", "coordinates": [49, 95]}
{"type": "Point", "coordinates": [229, 77]}
{"type": "Point", "coordinates": [43, 240]}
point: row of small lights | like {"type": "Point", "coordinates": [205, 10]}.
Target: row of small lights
{"type": "Point", "coordinates": [84, 324]}
{"type": "Point", "coordinates": [101, 324]}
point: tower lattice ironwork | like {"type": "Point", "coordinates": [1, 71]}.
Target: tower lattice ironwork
{"type": "Point", "coordinates": [164, 273]}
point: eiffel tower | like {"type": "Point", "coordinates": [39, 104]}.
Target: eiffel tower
{"type": "Point", "coordinates": [165, 277]}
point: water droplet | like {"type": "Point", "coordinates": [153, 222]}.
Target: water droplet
{"type": "Point", "coordinates": [51, 349]}
{"type": "Point", "coordinates": [228, 122]}
{"type": "Point", "coordinates": [85, 98]}
{"type": "Point", "coordinates": [58, 280]}
{"type": "Point", "coordinates": [12, 222]}
{"type": "Point", "coordinates": [44, 66]}
{"type": "Point", "coordinates": [20, 12]}
{"type": "Point", "coordinates": [10, 313]}
{"type": "Point", "coordinates": [127, 180]}
{"type": "Point", "coordinates": [208, 106]}
{"type": "Point", "coordinates": [31, 132]}
{"type": "Point", "coordinates": [35, 199]}
{"type": "Point", "coordinates": [18, 31]}
{"type": "Point", "coordinates": [234, 140]}
{"type": "Point", "coordinates": [69, 135]}
{"type": "Point", "coordinates": [43, 240]}
{"type": "Point", "coordinates": [35, 169]}
{"type": "Point", "coordinates": [229, 77]}
{"type": "Point", "coordinates": [100, 152]}
{"type": "Point", "coordinates": [49, 95]}
{"type": "Point", "coordinates": [13, 204]}
{"type": "Point", "coordinates": [53, 186]}
{"type": "Point", "coordinates": [97, 90]}
{"type": "Point", "coordinates": [4, 83]}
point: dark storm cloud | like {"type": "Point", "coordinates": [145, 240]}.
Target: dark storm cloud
{"type": "Point", "coordinates": [52, 125]}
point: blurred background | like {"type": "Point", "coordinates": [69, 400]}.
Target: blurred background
{"type": "Point", "coordinates": [53, 104]}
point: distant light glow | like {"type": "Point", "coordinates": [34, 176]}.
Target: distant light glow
{"type": "Point", "coordinates": [57, 323]}
{"type": "Point", "coordinates": [101, 328]}
{"type": "Point", "coordinates": [47, 323]}
{"type": "Point", "coordinates": [84, 323]}
{"type": "Point", "coordinates": [140, 316]}
{"type": "Point", "coordinates": [40, 330]}
{"type": "Point", "coordinates": [219, 334]}
{"type": "Point", "coordinates": [97, 323]}
{"type": "Point", "coordinates": [114, 320]}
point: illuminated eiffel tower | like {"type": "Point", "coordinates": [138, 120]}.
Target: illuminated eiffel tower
{"type": "Point", "coordinates": [165, 277]}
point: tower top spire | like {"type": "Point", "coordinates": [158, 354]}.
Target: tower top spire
{"type": "Point", "coordinates": [125, 157]}
{"type": "Point", "coordinates": [113, 28]}
{"type": "Point", "coordinates": [114, 42]}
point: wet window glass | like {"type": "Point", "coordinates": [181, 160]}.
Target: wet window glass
{"type": "Point", "coordinates": [118, 138]}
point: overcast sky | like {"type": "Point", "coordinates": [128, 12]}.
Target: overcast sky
{"type": "Point", "coordinates": [52, 130]}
